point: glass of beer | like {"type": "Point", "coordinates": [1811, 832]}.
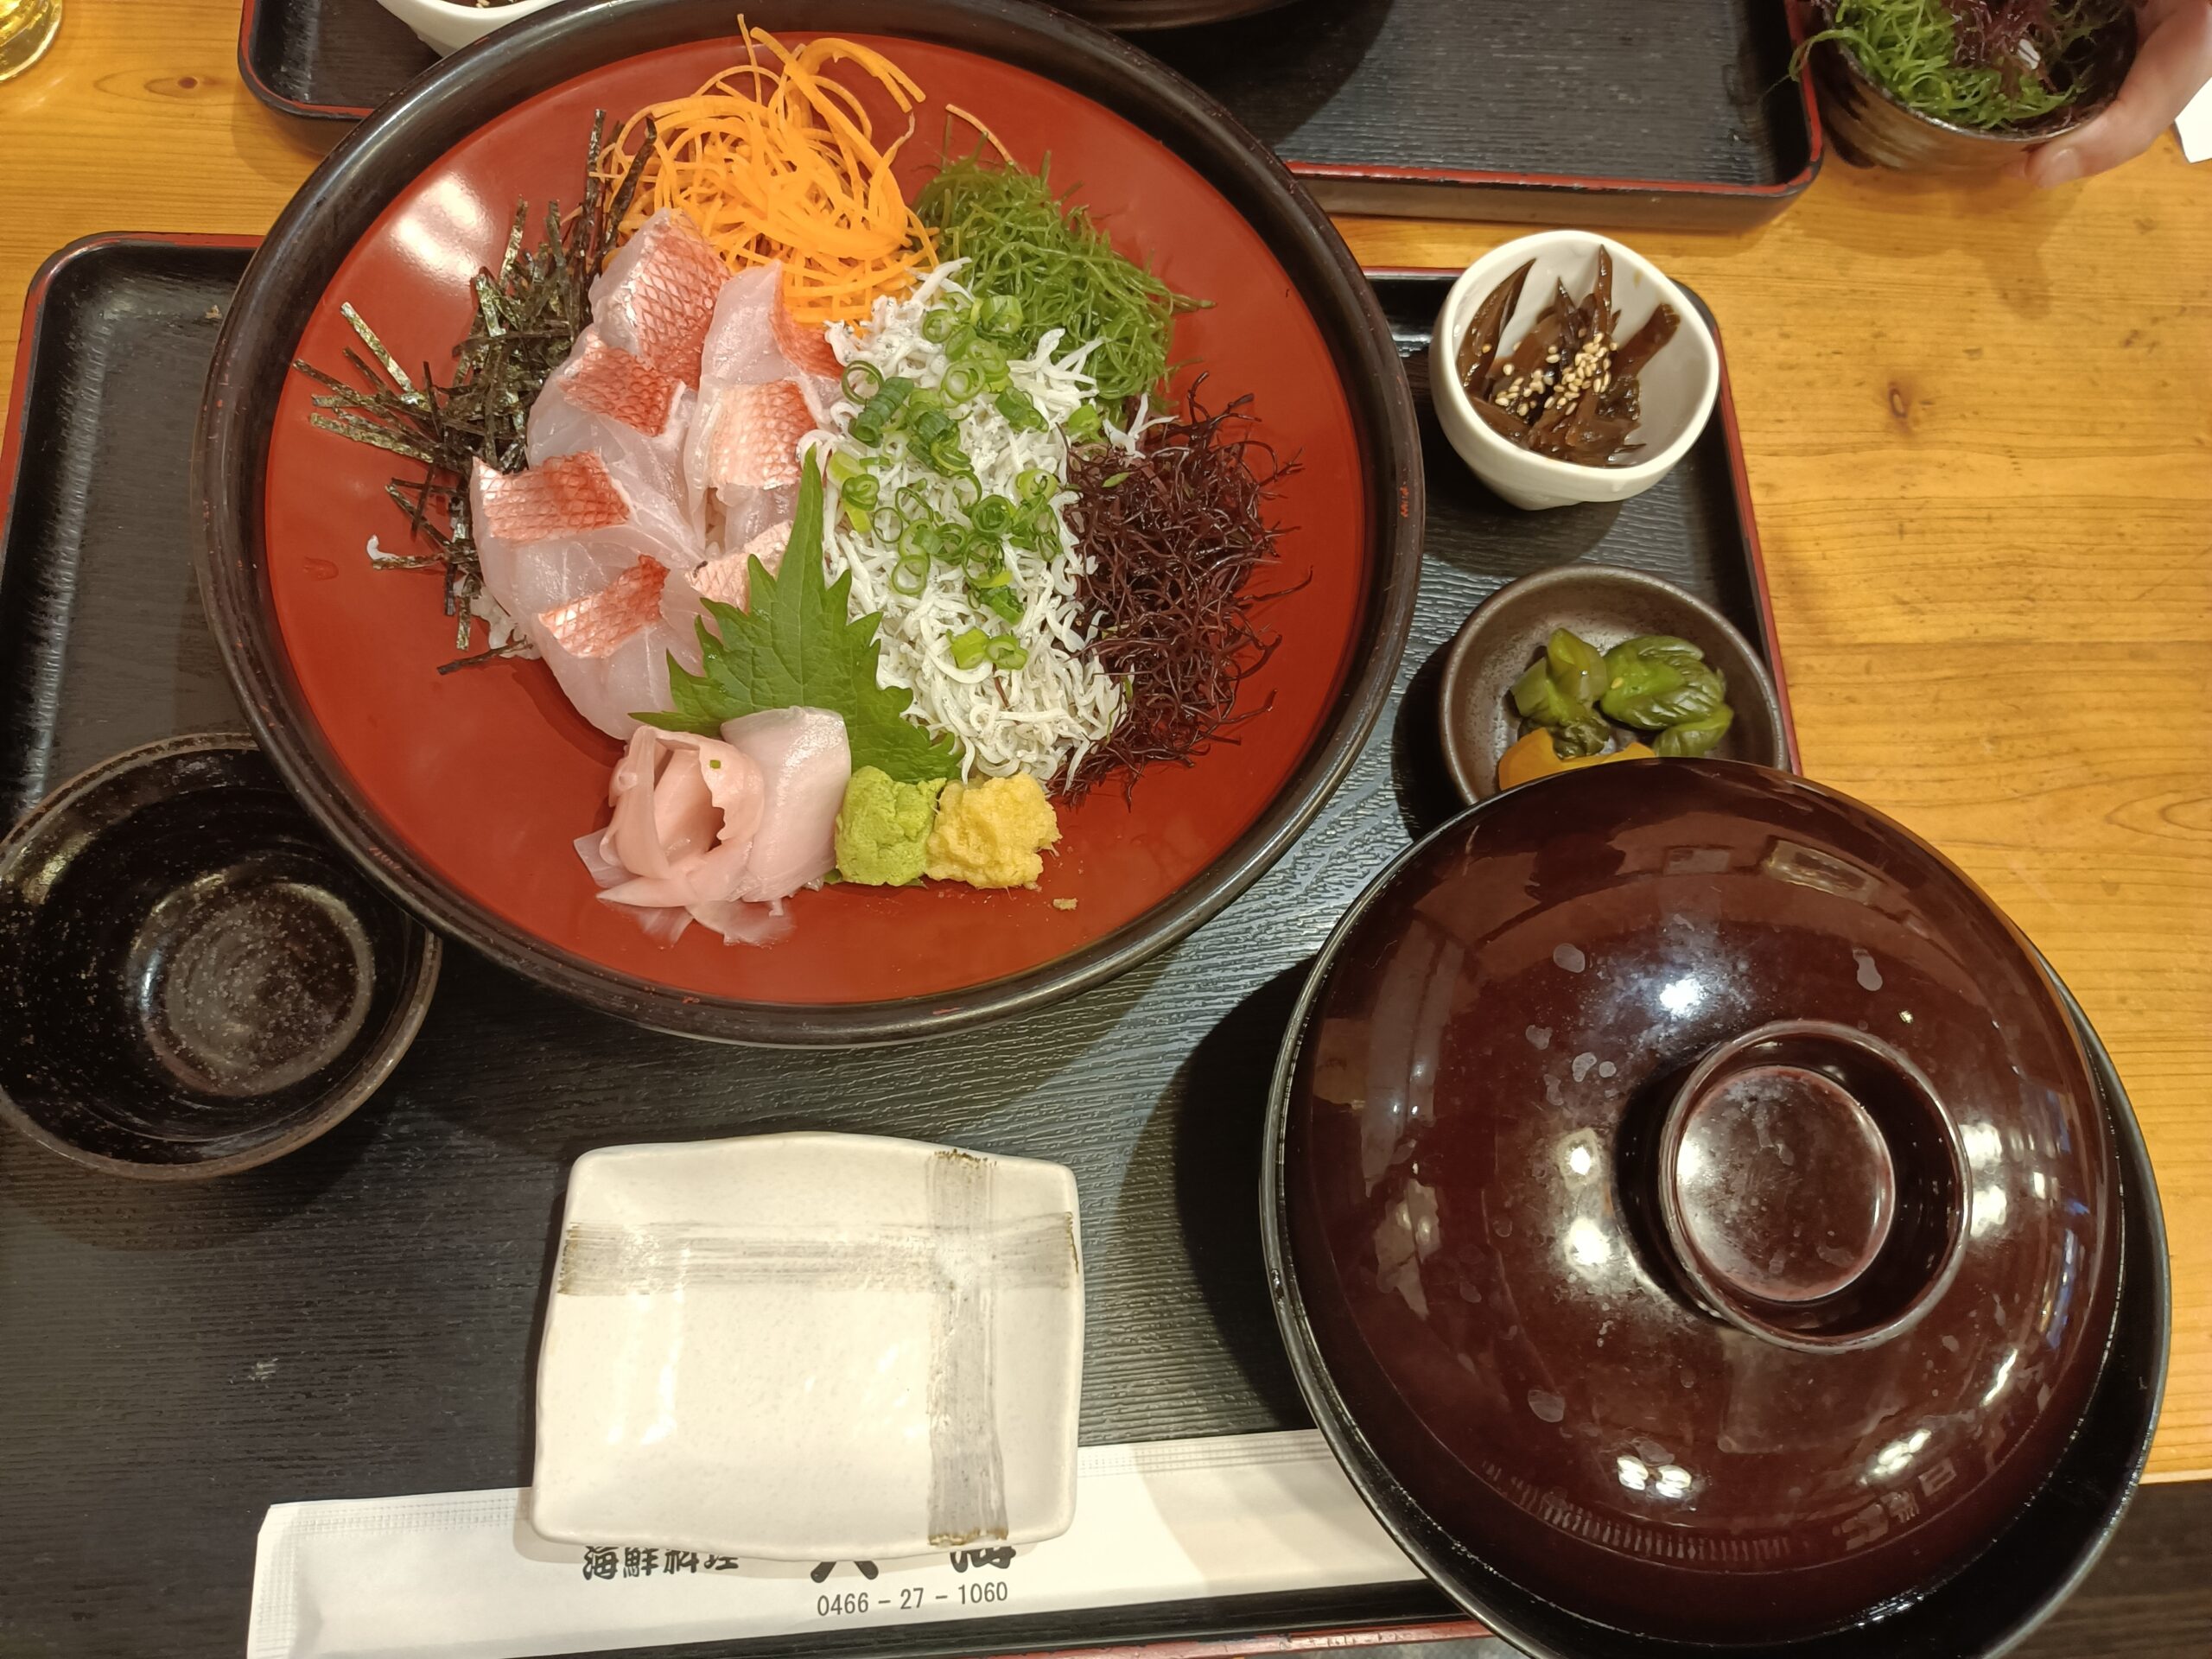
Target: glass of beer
{"type": "Point", "coordinates": [27, 28]}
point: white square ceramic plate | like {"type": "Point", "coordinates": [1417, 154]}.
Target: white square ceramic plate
{"type": "Point", "coordinates": [811, 1347]}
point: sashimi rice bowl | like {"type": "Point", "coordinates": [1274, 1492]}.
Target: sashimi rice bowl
{"type": "Point", "coordinates": [845, 485]}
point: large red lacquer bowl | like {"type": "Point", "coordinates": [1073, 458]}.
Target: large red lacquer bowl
{"type": "Point", "coordinates": [464, 791]}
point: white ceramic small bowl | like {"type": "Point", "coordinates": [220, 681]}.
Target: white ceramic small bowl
{"type": "Point", "coordinates": [445, 27]}
{"type": "Point", "coordinates": [1678, 385]}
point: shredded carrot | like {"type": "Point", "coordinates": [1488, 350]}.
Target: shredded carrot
{"type": "Point", "coordinates": [775, 160]}
{"type": "Point", "coordinates": [989, 136]}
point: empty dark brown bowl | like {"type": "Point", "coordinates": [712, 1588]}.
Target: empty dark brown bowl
{"type": "Point", "coordinates": [1605, 604]}
{"type": "Point", "coordinates": [1702, 1225]}
{"type": "Point", "coordinates": [193, 980]}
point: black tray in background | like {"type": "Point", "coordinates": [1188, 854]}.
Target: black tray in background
{"type": "Point", "coordinates": [360, 1318]}
{"type": "Point", "coordinates": [1668, 113]}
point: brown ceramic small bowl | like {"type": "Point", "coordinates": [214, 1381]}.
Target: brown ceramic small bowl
{"type": "Point", "coordinates": [1604, 605]}
{"type": "Point", "coordinates": [193, 980]}
{"type": "Point", "coordinates": [1871, 126]}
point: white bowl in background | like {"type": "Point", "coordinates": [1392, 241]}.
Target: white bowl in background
{"type": "Point", "coordinates": [812, 1348]}
{"type": "Point", "coordinates": [1678, 385]}
{"type": "Point", "coordinates": [445, 27]}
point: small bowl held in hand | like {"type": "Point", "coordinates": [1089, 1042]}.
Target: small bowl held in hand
{"type": "Point", "coordinates": [1872, 127]}
{"type": "Point", "coordinates": [1604, 605]}
{"type": "Point", "coordinates": [1678, 385]}
{"type": "Point", "coordinates": [193, 981]}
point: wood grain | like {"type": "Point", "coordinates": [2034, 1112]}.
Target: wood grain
{"type": "Point", "coordinates": [1982, 453]}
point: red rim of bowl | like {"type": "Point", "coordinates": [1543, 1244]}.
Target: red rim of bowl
{"type": "Point", "coordinates": [382, 159]}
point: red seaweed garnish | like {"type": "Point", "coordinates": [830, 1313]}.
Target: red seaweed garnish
{"type": "Point", "coordinates": [1172, 537]}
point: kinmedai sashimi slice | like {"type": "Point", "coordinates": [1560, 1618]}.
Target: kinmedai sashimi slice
{"type": "Point", "coordinates": [598, 624]}
{"type": "Point", "coordinates": [728, 580]}
{"type": "Point", "coordinates": [655, 298]}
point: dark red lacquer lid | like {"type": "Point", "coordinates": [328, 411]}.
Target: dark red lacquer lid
{"type": "Point", "coordinates": [1700, 1200]}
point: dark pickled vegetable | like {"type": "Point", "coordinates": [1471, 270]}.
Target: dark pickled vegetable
{"type": "Point", "coordinates": [1655, 683]}
{"type": "Point", "coordinates": [1578, 667]}
{"type": "Point", "coordinates": [1479, 344]}
{"type": "Point", "coordinates": [1695, 737]}
{"type": "Point", "coordinates": [1659, 681]}
{"type": "Point", "coordinates": [1563, 702]}
{"type": "Point", "coordinates": [1568, 388]}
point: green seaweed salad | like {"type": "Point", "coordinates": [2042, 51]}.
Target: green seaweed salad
{"type": "Point", "coordinates": [1987, 64]}
{"type": "Point", "coordinates": [1025, 245]}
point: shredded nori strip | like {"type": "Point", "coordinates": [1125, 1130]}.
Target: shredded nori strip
{"type": "Point", "coordinates": [528, 315]}
{"type": "Point", "coordinates": [1172, 537]}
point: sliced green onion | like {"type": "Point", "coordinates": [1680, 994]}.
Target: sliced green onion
{"type": "Point", "coordinates": [892, 449]}
{"type": "Point", "coordinates": [965, 490]}
{"type": "Point", "coordinates": [992, 515]}
{"type": "Point", "coordinates": [947, 456]}
{"type": "Point", "coordinates": [923, 542]}
{"type": "Point", "coordinates": [866, 429]}
{"type": "Point", "coordinates": [960, 343]}
{"type": "Point", "coordinates": [913, 503]}
{"type": "Point", "coordinates": [898, 389]}
{"type": "Point", "coordinates": [860, 381]}
{"type": "Point", "coordinates": [969, 648]}
{"type": "Point", "coordinates": [910, 575]}
{"type": "Point", "coordinates": [861, 490]}
{"type": "Point", "coordinates": [1084, 424]}
{"type": "Point", "coordinates": [1001, 602]}
{"type": "Point", "coordinates": [938, 324]}
{"type": "Point", "coordinates": [962, 383]}
{"type": "Point", "coordinates": [1007, 653]}
{"type": "Point", "coordinates": [930, 425]}
{"type": "Point", "coordinates": [856, 518]}
{"type": "Point", "coordinates": [1033, 482]}
{"type": "Point", "coordinates": [998, 316]}
{"type": "Point", "coordinates": [880, 411]}
{"type": "Point", "coordinates": [843, 467]}
{"type": "Point", "coordinates": [1020, 413]}
{"type": "Point", "coordinates": [885, 524]}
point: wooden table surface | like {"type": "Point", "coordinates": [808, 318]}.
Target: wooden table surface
{"type": "Point", "coordinates": [1978, 425]}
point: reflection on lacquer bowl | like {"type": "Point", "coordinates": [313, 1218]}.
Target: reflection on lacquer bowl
{"type": "Point", "coordinates": [1704, 1226]}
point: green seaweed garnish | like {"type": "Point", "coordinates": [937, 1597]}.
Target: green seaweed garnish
{"type": "Point", "coordinates": [1986, 64]}
{"type": "Point", "coordinates": [1058, 270]}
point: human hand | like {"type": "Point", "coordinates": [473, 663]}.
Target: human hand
{"type": "Point", "coordinates": [2173, 59]}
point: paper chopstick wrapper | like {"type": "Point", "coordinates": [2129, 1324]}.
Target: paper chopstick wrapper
{"type": "Point", "coordinates": [463, 1575]}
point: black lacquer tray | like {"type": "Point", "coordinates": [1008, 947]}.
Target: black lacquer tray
{"type": "Point", "coordinates": [1615, 112]}
{"type": "Point", "coordinates": [360, 1318]}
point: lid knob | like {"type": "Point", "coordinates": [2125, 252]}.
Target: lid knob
{"type": "Point", "coordinates": [1811, 1187]}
